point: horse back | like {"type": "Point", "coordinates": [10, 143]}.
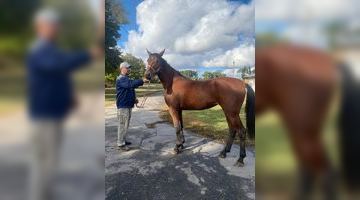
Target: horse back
{"type": "Point", "coordinates": [207, 93]}
{"type": "Point", "coordinates": [296, 81]}
{"type": "Point", "coordinates": [231, 92]}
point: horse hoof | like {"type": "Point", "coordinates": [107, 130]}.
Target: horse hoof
{"type": "Point", "coordinates": [222, 155]}
{"type": "Point", "coordinates": [239, 164]}
{"type": "Point", "coordinates": [177, 150]}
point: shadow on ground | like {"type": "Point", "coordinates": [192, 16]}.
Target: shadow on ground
{"type": "Point", "coordinates": [152, 171]}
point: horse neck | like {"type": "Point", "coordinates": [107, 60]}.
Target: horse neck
{"type": "Point", "coordinates": [167, 75]}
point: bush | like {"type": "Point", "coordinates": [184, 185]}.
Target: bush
{"type": "Point", "coordinates": [110, 80]}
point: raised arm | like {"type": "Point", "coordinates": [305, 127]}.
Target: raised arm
{"type": "Point", "coordinates": [57, 61]}
{"type": "Point", "coordinates": [127, 83]}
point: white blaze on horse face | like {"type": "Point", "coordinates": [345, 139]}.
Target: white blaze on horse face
{"type": "Point", "coordinates": [148, 69]}
{"type": "Point", "coordinates": [148, 66]}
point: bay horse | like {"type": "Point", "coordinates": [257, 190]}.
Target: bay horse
{"type": "Point", "coordinates": [299, 84]}
{"type": "Point", "coordinates": [182, 93]}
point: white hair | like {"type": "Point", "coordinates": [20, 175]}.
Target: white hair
{"type": "Point", "coordinates": [47, 15]}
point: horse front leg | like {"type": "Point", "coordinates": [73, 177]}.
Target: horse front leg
{"type": "Point", "coordinates": [177, 118]}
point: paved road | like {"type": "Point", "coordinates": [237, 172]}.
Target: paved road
{"type": "Point", "coordinates": [152, 171]}
{"type": "Point", "coordinates": [80, 174]}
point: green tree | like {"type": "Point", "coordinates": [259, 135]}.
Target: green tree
{"type": "Point", "coordinates": [246, 70]}
{"type": "Point", "coordinates": [137, 66]}
{"type": "Point", "coordinates": [267, 39]}
{"type": "Point", "coordinates": [190, 74]}
{"type": "Point", "coordinates": [211, 75]}
{"type": "Point", "coordinates": [207, 75]}
{"type": "Point", "coordinates": [114, 17]}
{"type": "Point", "coordinates": [15, 28]}
{"type": "Point", "coordinates": [218, 74]}
{"type": "Point", "coordinates": [333, 30]}
{"type": "Point", "coordinates": [16, 19]}
{"type": "Point", "coordinates": [78, 22]}
{"type": "Point", "coordinates": [110, 79]}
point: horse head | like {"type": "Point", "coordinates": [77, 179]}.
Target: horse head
{"type": "Point", "coordinates": [154, 63]}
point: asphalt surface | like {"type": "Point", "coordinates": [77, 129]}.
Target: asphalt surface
{"type": "Point", "coordinates": [151, 170]}
{"type": "Point", "coordinates": [80, 171]}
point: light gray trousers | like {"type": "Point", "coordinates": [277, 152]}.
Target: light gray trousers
{"type": "Point", "coordinates": [124, 115]}
{"type": "Point", "coordinates": [46, 137]}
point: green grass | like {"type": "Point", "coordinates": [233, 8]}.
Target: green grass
{"type": "Point", "coordinates": [10, 105]}
{"type": "Point", "coordinates": [210, 123]}
{"type": "Point", "coordinates": [276, 165]}
{"type": "Point", "coordinates": [273, 148]}
{"type": "Point", "coordinates": [13, 84]}
{"type": "Point", "coordinates": [12, 89]}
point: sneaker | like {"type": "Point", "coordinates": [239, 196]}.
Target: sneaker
{"type": "Point", "coordinates": [124, 148]}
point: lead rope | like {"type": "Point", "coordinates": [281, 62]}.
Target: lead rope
{"type": "Point", "coordinates": [144, 97]}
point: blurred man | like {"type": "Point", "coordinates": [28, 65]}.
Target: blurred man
{"type": "Point", "coordinates": [50, 98]}
{"type": "Point", "coordinates": [125, 100]}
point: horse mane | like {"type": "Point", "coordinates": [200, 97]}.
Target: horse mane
{"type": "Point", "coordinates": [175, 72]}
{"type": "Point", "coordinates": [166, 76]}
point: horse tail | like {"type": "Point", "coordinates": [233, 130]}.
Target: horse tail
{"type": "Point", "coordinates": [250, 111]}
{"type": "Point", "coordinates": [349, 128]}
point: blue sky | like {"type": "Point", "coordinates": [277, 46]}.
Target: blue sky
{"type": "Point", "coordinates": [270, 26]}
{"type": "Point", "coordinates": [130, 9]}
{"type": "Point", "coordinates": [218, 57]}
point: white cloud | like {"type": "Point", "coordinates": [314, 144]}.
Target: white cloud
{"type": "Point", "coordinates": [306, 10]}
{"type": "Point", "coordinates": [195, 33]}
{"type": "Point", "coordinates": [309, 34]}
{"type": "Point", "coordinates": [240, 56]}
{"type": "Point", "coordinates": [305, 21]}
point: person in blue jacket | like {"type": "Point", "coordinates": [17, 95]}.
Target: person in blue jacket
{"type": "Point", "coordinates": [50, 97]}
{"type": "Point", "coordinates": [125, 100]}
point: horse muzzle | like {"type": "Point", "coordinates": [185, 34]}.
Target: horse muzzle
{"type": "Point", "coordinates": [148, 75]}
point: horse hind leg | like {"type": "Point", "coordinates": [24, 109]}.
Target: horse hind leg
{"type": "Point", "coordinates": [181, 133]}
{"type": "Point", "coordinates": [229, 143]}
{"type": "Point", "coordinates": [242, 136]}
{"type": "Point", "coordinates": [234, 126]}
{"type": "Point", "coordinates": [313, 160]}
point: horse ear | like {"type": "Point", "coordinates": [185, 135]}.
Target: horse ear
{"type": "Point", "coordinates": [162, 52]}
{"type": "Point", "coordinates": [149, 53]}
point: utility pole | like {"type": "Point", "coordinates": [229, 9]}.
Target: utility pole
{"type": "Point", "coordinates": [234, 69]}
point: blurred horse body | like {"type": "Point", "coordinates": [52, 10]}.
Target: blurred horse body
{"type": "Point", "coordinates": [299, 83]}
{"type": "Point", "coordinates": [182, 93]}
